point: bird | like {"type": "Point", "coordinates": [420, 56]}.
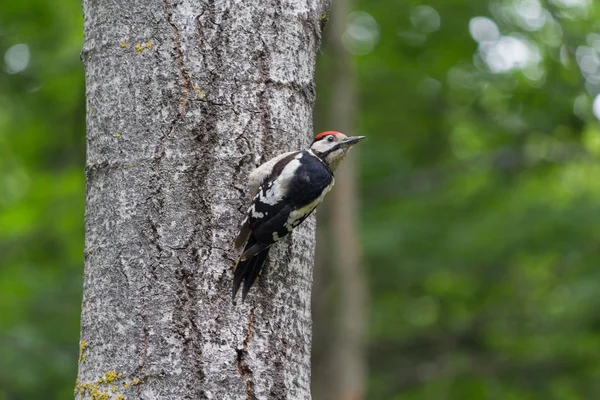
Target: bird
{"type": "Point", "coordinates": [284, 191]}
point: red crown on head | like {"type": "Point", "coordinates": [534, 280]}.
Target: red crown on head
{"type": "Point", "coordinates": [322, 134]}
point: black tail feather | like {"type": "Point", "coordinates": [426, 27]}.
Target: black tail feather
{"type": "Point", "coordinates": [255, 268]}
{"type": "Point", "coordinates": [248, 270]}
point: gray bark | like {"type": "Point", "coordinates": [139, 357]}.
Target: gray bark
{"type": "Point", "coordinates": [184, 98]}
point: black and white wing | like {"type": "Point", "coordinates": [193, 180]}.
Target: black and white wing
{"type": "Point", "coordinates": [295, 186]}
{"type": "Point", "coordinates": [262, 172]}
{"type": "Point", "coordinates": [297, 183]}
{"type": "Point", "coordinates": [258, 179]}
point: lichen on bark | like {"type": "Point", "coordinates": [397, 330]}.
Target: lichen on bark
{"type": "Point", "coordinates": [221, 87]}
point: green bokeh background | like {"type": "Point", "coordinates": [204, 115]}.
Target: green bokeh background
{"type": "Point", "coordinates": [479, 192]}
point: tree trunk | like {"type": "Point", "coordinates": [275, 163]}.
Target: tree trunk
{"type": "Point", "coordinates": [184, 98]}
{"type": "Point", "coordinates": [348, 355]}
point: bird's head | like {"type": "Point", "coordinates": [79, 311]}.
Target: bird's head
{"type": "Point", "coordinates": [333, 146]}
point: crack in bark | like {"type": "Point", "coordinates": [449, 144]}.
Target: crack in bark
{"type": "Point", "coordinates": [217, 49]}
{"type": "Point", "coordinates": [182, 194]}
{"type": "Point", "coordinates": [187, 328]}
{"type": "Point", "coordinates": [199, 31]}
{"type": "Point", "coordinates": [158, 206]}
{"type": "Point", "coordinates": [144, 350]}
{"type": "Point", "coordinates": [206, 137]}
{"type": "Point", "coordinates": [94, 168]}
{"type": "Point", "coordinates": [264, 105]}
{"type": "Point", "coordinates": [243, 367]}
{"type": "Point", "coordinates": [155, 211]}
{"type": "Point", "coordinates": [121, 267]}
{"type": "Point", "coordinates": [306, 90]}
{"type": "Point", "coordinates": [185, 81]}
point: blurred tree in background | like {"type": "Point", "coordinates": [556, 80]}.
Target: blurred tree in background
{"type": "Point", "coordinates": [479, 196]}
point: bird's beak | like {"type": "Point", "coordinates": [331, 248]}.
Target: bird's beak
{"type": "Point", "coordinates": [351, 141]}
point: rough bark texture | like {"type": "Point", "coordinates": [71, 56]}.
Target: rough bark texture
{"type": "Point", "coordinates": [184, 98]}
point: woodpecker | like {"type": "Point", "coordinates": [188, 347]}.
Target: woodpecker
{"type": "Point", "coordinates": [284, 192]}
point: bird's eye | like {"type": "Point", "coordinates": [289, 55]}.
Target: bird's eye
{"type": "Point", "coordinates": [330, 138]}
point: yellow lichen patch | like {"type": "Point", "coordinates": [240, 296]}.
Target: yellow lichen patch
{"type": "Point", "coordinates": [200, 92]}
{"type": "Point", "coordinates": [117, 135]}
{"type": "Point", "coordinates": [131, 164]}
{"type": "Point", "coordinates": [99, 390]}
{"type": "Point", "coordinates": [110, 376]}
{"type": "Point", "coordinates": [134, 381]}
{"type": "Point", "coordinates": [82, 348]}
{"type": "Point", "coordinates": [92, 388]}
{"type": "Point", "coordinates": [123, 44]}
{"type": "Point", "coordinates": [91, 111]}
{"type": "Point", "coordinates": [140, 47]}
{"type": "Point", "coordinates": [76, 388]}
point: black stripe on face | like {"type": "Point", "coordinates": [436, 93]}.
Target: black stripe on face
{"type": "Point", "coordinates": [331, 150]}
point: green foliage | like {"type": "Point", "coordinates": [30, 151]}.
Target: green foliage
{"type": "Point", "coordinates": [480, 205]}
{"type": "Point", "coordinates": [480, 202]}
{"type": "Point", "coordinates": [42, 195]}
